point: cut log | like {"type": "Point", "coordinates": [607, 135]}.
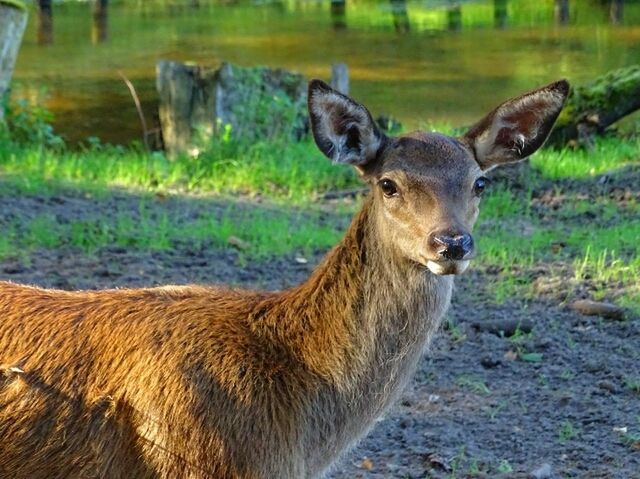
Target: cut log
{"type": "Point", "coordinates": [340, 77]}
{"type": "Point", "coordinates": [13, 19]}
{"type": "Point", "coordinates": [597, 308]}
{"type": "Point", "coordinates": [197, 103]}
{"type": "Point", "coordinates": [592, 108]}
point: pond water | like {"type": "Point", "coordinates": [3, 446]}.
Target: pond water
{"type": "Point", "coordinates": [423, 61]}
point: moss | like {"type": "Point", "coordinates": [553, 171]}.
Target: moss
{"type": "Point", "coordinates": [603, 92]}
{"type": "Point", "coordinates": [14, 3]}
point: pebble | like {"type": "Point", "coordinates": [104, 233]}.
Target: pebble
{"type": "Point", "coordinates": [366, 464]}
{"type": "Point", "coordinates": [489, 362]}
{"type": "Point", "coordinates": [593, 366]}
{"type": "Point", "coordinates": [14, 268]}
{"type": "Point", "coordinates": [545, 471]}
{"type": "Point", "coordinates": [608, 386]}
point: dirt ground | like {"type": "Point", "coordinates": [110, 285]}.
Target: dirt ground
{"type": "Point", "coordinates": [476, 408]}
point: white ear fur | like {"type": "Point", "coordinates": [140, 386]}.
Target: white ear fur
{"type": "Point", "coordinates": [518, 127]}
{"type": "Point", "coordinates": [343, 129]}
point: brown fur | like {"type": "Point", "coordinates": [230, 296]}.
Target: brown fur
{"type": "Point", "coordinates": [211, 382]}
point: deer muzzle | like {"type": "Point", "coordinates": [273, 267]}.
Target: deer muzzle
{"type": "Point", "coordinates": [451, 252]}
{"type": "Point", "coordinates": [452, 247]}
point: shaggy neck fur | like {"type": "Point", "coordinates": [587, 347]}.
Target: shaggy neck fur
{"type": "Point", "coordinates": [358, 327]}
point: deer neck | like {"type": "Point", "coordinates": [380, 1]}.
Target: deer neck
{"type": "Point", "coordinates": [364, 312]}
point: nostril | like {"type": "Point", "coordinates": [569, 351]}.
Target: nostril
{"type": "Point", "coordinates": [467, 243]}
{"type": "Point", "coordinates": [454, 251]}
{"type": "Point", "coordinates": [441, 240]}
{"type": "Point", "coordinates": [452, 247]}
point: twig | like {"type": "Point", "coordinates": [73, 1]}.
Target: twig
{"type": "Point", "coordinates": [335, 195]}
{"type": "Point", "coordinates": [136, 100]}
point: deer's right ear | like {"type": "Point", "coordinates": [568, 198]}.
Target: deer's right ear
{"type": "Point", "coordinates": [343, 129]}
{"type": "Point", "coordinates": [518, 127]}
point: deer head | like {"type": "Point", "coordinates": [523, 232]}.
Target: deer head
{"type": "Point", "coordinates": [426, 187]}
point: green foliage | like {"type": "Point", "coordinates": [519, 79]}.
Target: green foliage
{"type": "Point", "coordinates": [15, 3]}
{"type": "Point", "coordinates": [264, 111]}
{"type": "Point", "coordinates": [28, 124]}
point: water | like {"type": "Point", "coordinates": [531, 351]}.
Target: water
{"type": "Point", "coordinates": [421, 62]}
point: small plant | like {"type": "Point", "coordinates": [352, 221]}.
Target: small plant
{"type": "Point", "coordinates": [455, 331]}
{"type": "Point", "coordinates": [494, 410]}
{"type": "Point", "coordinates": [473, 383]}
{"type": "Point", "coordinates": [30, 123]}
{"type": "Point", "coordinates": [632, 384]}
{"type": "Point", "coordinates": [631, 439]}
{"type": "Point", "coordinates": [505, 467]}
{"type": "Point", "coordinates": [567, 374]}
{"type": "Point", "coordinates": [567, 431]}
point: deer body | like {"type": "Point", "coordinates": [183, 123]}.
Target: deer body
{"type": "Point", "coordinates": [210, 382]}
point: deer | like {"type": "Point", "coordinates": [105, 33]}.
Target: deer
{"type": "Point", "coordinates": [217, 382]}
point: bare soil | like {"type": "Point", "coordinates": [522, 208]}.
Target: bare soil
{"type": "Point", "coordinates": [558, 402]}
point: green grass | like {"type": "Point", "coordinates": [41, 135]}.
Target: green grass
{"type": "Point", "coordinates": [586, 239]}
{"type": "Point", "coordinates": [594, 241]}
{"type": "Point", "coordinates": [607, 155]}
{"type": "Point", "coordinates": [292, 172]}
{"type": "Point", "coordinates": [265, 232]}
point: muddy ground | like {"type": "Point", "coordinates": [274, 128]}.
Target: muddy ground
{"type": "Point", "coordinates": [476, 407]}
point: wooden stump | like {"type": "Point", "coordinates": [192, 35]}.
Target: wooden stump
{"type": "Point", "coordinates": [340, 77]}
{"type": "Point", "coordinates": [248, 104]}
{"type": "Point", "coordinates": [13, 19]}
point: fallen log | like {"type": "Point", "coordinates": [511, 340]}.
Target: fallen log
{"type": "Point", "coordinates": [595, 106]}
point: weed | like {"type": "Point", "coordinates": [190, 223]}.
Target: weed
{"type": "Point", "coordinates": [567, 374]}
{"type": "Point", "coordinates": [505, 467]}
{"type": "Point", "coordinates": [473, 383]}
{"type": "Point", "coordinates": [455, 331]}
{"type": "Point", "coordinates": [632, 384]}
{"type": "Point", "coordinates": [567, 431]}
{"type": "Point", "coordinates": [494, 410]}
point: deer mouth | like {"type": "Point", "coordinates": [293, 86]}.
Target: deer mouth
{"type": "Point", "coordinates": [446, 267]}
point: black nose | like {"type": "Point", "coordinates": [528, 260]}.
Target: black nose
{"type": "Point", "coordinates": [453, 247]}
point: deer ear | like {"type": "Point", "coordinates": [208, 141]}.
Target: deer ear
{"type": "Point", "coordinates": [343, 129]}
{"type": "Point", "coordinates": [518, 127]}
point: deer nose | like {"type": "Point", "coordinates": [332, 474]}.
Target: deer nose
{"type": "Point", "coordinates": [452, 246]}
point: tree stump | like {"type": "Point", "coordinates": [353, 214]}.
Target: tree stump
{"type": "Point", "coordinates": [13, 19]}
{"type": "Point", "coordinates": [198, 103]}
{"type": "Point", "coordinates": [340, 77]}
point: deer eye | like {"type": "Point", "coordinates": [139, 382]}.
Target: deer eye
{"type": "Point", "coordinates": [388, 187]}
{"type": "Point", "coordinates": [480, 185]}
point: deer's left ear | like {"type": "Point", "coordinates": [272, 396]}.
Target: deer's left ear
{"type": "Point", "coordinates": [342, 128]}
{"type": "Point", "coordinates": [518, 127]}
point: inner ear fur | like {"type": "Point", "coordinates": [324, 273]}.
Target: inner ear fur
{"type": "Point", "coordinates": [518, 127]}
{"type": "Point", "coordinates": [342, 128]}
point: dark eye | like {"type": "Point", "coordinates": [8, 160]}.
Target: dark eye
{"type": "Point", "coordinates": [388, 187]}
{"type": "Point", "coordinates": [480, 185]}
